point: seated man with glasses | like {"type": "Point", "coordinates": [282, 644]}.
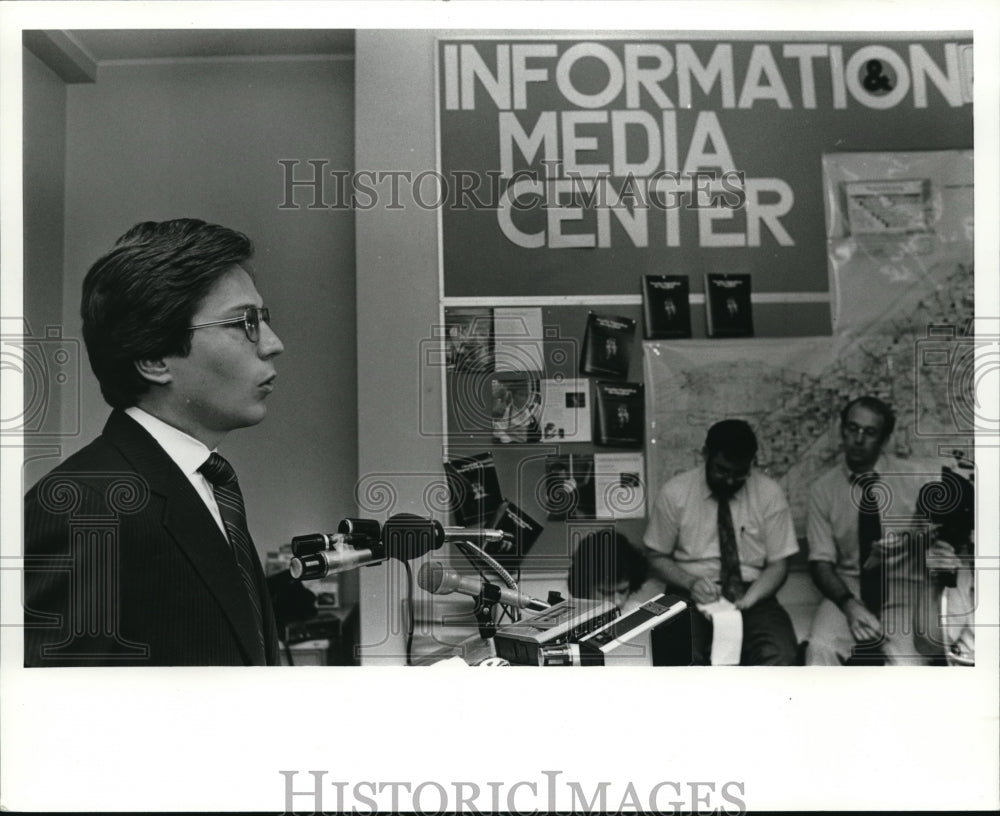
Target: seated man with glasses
{"type": "Point", "coordinates": [724, 530]}
{"type": "Point", "coordinates": [137, 550]}
{"type": "Point", "coordinates": [869, 546]}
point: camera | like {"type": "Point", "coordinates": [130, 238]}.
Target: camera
{"type": "Point", "coordinates": [50, 368]}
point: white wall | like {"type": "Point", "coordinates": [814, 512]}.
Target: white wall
{"type": "Point", "coordinates": [397, 307]}
{"type": "Point", "coordinates": [44, 193]}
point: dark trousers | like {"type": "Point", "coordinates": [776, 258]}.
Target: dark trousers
{"type": "Point", "coordinates": [768, 636]}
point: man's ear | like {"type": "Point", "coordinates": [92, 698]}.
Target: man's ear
{"type": "Point", "coordinates": [155, 370]}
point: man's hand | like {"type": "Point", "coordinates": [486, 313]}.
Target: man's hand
{"type": "Point", "coordinates": [941, 556]}
{"type": "Point", "coordinates": [704, 591]}
{"type": "Point", "coordinates": [863, 624]}
{"type": "Point", "coordinates": [766, 584]}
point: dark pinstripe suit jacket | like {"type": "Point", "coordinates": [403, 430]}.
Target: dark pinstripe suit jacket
{"type": "Point", "coordinates": [124, 565]}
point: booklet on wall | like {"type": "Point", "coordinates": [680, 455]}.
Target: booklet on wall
{"type": "Point", "coordinates": [565, 410]}
{"type": "Point", "coordinates": [666, 307]}
{"type": "Point", "coordinates": [468, 338]}
{"type": "Point", "coordinates": [620, 415]}
{"type": "Point", "coordinates": [618, 485]}
{"type": "Point", "coordinates": [728, 311]}
{"type": "Point", "coordinates": [607, 345]}
{"type": "Point", "coordinates": [569, 487]}
{"type": "Point", "coordinates": [520, 531]}
{"type": "Point", "coordinates": [474, 487]}
{"type": "Point", "coordinates": [516, 407]}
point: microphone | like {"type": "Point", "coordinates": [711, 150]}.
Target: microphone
{"type": "Point", "coordinates": [329, 562]}
{"type": "Point", "coordinates": [436, 578]}
{"type": "Point", "coordinates": [363, 541]}
{"type": "Point", "coordinates": [314, 542]}
{"type": "Point", "coordinates": [452, 534]}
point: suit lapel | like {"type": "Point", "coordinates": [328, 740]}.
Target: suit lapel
{"type": "Point", "coordinates": [188, 522]}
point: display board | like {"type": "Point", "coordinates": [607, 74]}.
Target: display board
{"type": "Point", "coordinates": [575, 166]}
{"type": "Point", "coordinates": [537, 418]}
{"type": "Point", "coordinates": [571, 168]}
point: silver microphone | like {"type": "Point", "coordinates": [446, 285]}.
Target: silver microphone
{"type": "Point", "coordinates": [472, 534]}
{"type": "Point", "coordinates": [364, 541]}
{"type": "Point", "coordinates": [329, 562]}
{"type": "Point", "coordinates": [436, 578]}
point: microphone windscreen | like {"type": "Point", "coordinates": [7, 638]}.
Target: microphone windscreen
{"type": "Point", "coordinates": [430, 576]}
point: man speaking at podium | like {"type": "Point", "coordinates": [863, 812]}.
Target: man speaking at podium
{"type": "Point", "coordinates": [137, 550]}
{"type": "Point", "coordinates": [725, 530]}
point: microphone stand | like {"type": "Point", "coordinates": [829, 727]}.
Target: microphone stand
{"type": "Point", "coordinates": [486, 601]}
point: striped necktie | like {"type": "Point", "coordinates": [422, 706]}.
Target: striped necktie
{"type": "Point", "coordinates": [230, 500]}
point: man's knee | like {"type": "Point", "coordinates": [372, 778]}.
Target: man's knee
{"type": "Point", "coordinates": [822, 651]}
{"type": "Point", "coordinates": [901, 650]}
{"type": "Point", "coordinates": [770, 638]}
{"type": "Point", "coordinates": [701, 640]}
{"type": "Point", "coordinates": [830, 640]}
{"type": "Point", "coordinates": [779, 650]}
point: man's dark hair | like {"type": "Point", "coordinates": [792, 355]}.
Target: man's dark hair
{"type": "Point", "coordinates": [607, 558]}
{"type": "Point", "coordinates": [733, 438]}
{"type": "Point", "coordinates": [140, 297]}
{"type": "Point", "coordinates": [875, 405]}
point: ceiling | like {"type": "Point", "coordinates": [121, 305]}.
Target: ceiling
{"type": "Point", "coordinates": [144, 44]}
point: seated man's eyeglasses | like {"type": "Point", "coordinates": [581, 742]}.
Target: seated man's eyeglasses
{"type": "Point", "coordinates": [250, 321]}
{"type": "Point", "coordinates": [854, 429]}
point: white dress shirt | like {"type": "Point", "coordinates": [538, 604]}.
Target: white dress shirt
{"type": "Point", "coordinates": [187, 453]}
{"type": "Point", "coordinates": [684, 524]}
{"type": "Point", "coordinates": [832, 521]}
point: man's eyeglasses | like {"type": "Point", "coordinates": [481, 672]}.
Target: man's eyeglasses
{"type": "Point", "coordinates": [250, 320]}
{"type": "Point", "coordinates": [854, 429]}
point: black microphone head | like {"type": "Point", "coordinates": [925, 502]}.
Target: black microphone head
{"type": "Point", "coordinates": [369, 528]}
{"type": "Point", "coordinates": [406, 536]}
{"type": "Point", "coordinates": [308, 567]}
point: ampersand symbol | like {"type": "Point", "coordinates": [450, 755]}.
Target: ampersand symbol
{"type": "Point", "coordinates": [875, 80]}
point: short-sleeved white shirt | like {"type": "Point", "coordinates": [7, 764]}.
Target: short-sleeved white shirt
{"type": "Point", "coordinates": [832, 520]}
{"type": "Point", "coordinates": [683, 523]}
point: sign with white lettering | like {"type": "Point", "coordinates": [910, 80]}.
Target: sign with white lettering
{"type": "Point", "coordinates": [575, 167]}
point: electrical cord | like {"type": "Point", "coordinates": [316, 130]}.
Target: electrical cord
{"type": "Point", "coordinates": [472, 561]}
{"type": "Point", "coordinates": [491, 562]}
{"type": "Point", "coordinates": [517, 612]}
{"type": "Point", "coordinates": [506, 612]}
{"type": "Point", "coordinates": [409, 613]}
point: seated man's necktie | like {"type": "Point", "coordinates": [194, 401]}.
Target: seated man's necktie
{"type": "Point", "coordinates": [732, 580]}
{"type": "Point", "coordinates": [866, 490]}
